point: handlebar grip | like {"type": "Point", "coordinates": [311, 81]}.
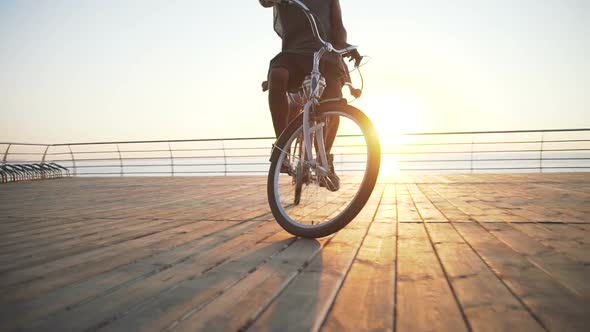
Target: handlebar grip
{"type": "Point", "coordinates": [356, 93]}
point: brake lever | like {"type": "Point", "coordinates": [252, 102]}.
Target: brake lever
{"type": "Point", "coordinates": [356, 93]}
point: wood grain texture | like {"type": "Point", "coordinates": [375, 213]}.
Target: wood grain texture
{"type": "Point", "coordinates": [454, 252]}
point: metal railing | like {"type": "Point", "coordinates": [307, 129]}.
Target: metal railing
{"type": "Point", "coordinates": [31, 171]}
{"type": "Point", "coordinates": [486, 151]}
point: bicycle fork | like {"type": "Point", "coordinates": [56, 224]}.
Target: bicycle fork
{"type": "Point", "coordinates": [317, 130]}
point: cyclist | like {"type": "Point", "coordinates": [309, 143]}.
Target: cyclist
{"type": "Point", "coordinates": [288, 69]}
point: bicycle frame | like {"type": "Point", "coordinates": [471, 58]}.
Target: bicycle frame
{"type": "Point", "coordinates": [313, 96]}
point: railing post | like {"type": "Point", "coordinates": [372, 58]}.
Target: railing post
{"type": "Point", "coordinates": [120, 160]}
{"type": "Point", "coordinates": [73, 160]}
{"type": "Point", "coordinates": [171, 160]}
{"type": "Point", "coordinates": [471, 159]}
{"type": "Point", "coordinates": [6, 154]}
{"type": "Point", "coordinates": [45, 154]}
{"type": "Point", "coordinates": [43, 160]}
{"type": "Point", "coordinates": [541, 153]}
{"type": "Point", "coordinates": [224, 158]}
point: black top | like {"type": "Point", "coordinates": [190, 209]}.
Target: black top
{"type": "Point", "coordinates": [294, 28]}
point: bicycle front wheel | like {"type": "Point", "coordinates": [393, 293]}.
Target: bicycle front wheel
{"type": "Point", "coordinates": [298, 179]}
{"type": "Point", "coordinates": [307, 203]}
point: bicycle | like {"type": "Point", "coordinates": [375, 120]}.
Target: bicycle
{"type": "Point", "coordinates": [305, 203]}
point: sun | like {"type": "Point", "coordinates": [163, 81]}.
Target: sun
{"type": "Point", "coordinates": [393, 116]}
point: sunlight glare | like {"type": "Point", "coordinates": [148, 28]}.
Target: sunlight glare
{"type": "Point", "coordinates": [393, 116]}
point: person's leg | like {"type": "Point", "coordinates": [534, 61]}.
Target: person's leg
{"type": "Point", "coordinates": [333, 91]}
{"type": "Point", "coordinates": [332, 124]}
{"type": "Point", "coordinates": [278, 81]}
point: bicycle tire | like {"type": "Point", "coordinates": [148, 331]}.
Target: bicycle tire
{"type": "Point", "coordinates": [365, 187]}
{"type": "Point", "coordinates": [299, 150]}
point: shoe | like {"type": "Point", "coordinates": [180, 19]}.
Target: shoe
{"type": "Point", "coordinates": [331, 181]}
{"type": "Point", "coordinates": [285, 169]}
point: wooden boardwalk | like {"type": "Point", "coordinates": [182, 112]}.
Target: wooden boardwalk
{"type": "Point", "coordinates": [428, 253]}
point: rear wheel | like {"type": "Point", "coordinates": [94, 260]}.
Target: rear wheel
{"type": "Point", "coordinates": [302, 204]}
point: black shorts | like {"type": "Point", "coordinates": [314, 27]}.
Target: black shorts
{"type": "Point", "coordinates": [300, 65]}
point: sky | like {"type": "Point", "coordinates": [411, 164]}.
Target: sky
{"type": "Point", "coordinates": [115, 70]}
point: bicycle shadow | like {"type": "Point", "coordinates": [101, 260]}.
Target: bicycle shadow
{"type": "Point", "coordinates": [297, 305]}
{"type": "Point", "coordinates": [262, 290]}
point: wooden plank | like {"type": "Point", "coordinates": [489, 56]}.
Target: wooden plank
{"type": "Point", "coordinates": [425, 302]}
{"type": "Point", "coordinates": [45, 277]}
{"type": "Point", "coordinates": [128, 201]}
{"type": "Point", "coordinates": [555, 306]}
{"type": "Point", "coordinates": [406, 209]}
{"type": "Point", "coordinates": [388, 206]}
{"type": "Point", "coordinates": [428, 212]}
{"type": "Point", "coordinates": [569, 232]}
{"type": "Point", "coordinates": [85, 281]}
{"type": "Point", "coordinates": [104, 309]}
{"type": "Point", "coordinates": [25, 273]}
{"type": "Point", "coordinates": [387, 211]}
{"type": "Point", "coordinates": [487, 303]}
{"type": "Point", "coordinates": [526, 276]}
{"type": "Point", "coordinates": [473, 212]}
{"type": "Point", "coordinates": [281, 254]}
{"type": "Point", "coordinates": [450, 212]}
{"type": "Point", "coordinates": [486, 300]}
{"type": "Point", "coordinates": [572, 202]}
{"type": "Point", "coordinates": [576, 251]}
{"type": "Point", "coordinates": [78, 244]}
{"type": "Point", "coordinates": [305, 302]}
{"type": "Point", "coordinates": [571, 274]}
{"type": "Point", "coordinates": [443, 233]}
{"type": "Point", "coordinates": [506, 277]}
{"type": "Point", "coordinates": [554, 232]}
{"type": "Point", "coordinates": [28, 227]}
{"type": "Point", "coordinates": [233, 308]}
{"type": "Point", "coordinates": [101, 284]}
{"type": "Point", "coordinates": [365, 301]}
{"type": "Point", "coordinates": [65, 231]}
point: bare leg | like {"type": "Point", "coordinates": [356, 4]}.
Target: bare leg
{"type": "Point", "coordinates": [277, 98]}
{"type": "Point", "coordinates": [333, 90]}
{"type": "Point", "coordinates": [332, 129]}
